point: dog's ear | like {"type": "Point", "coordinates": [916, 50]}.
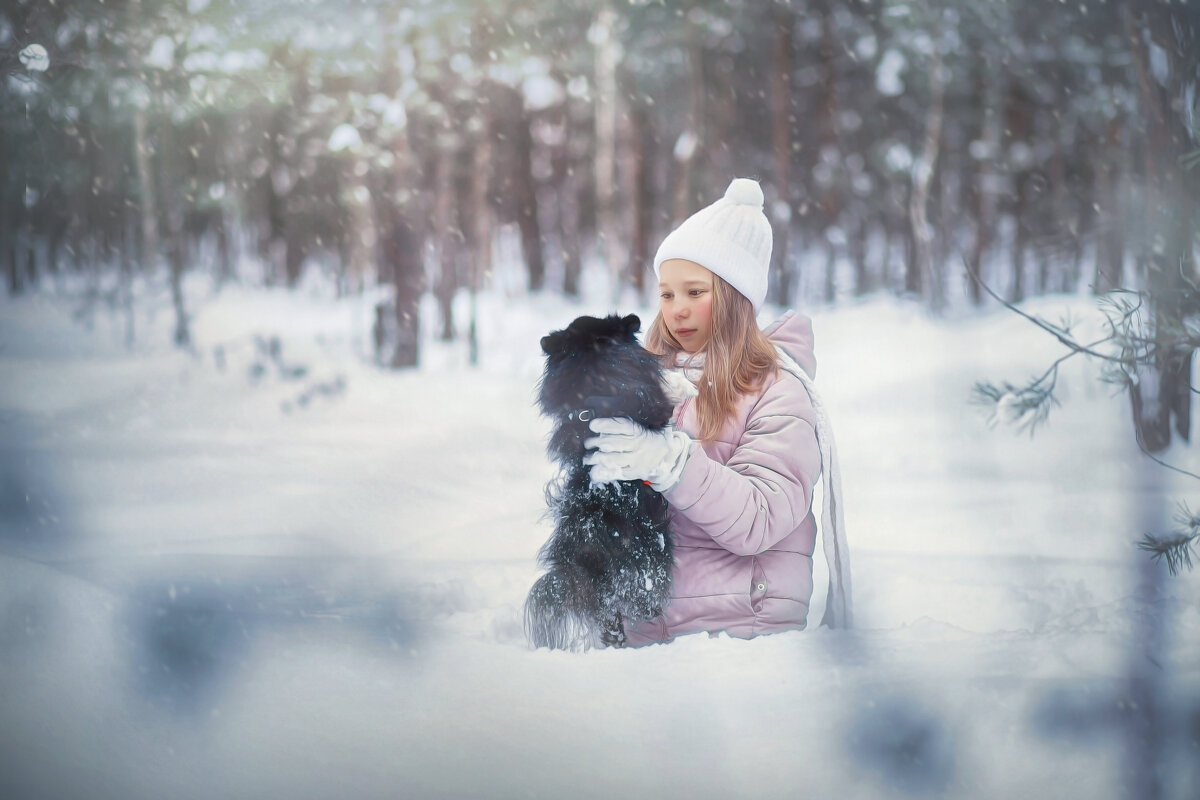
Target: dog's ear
{"type": "Point", "coordinates": [552, 344]}
{"type": "Point", "coordinates": [631, 324]}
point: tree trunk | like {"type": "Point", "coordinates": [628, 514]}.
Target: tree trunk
{"type": "Point", "coordinates": [358, 232]}
{"type": "Point", "coordinates": [1110, 252]}
{"type": "Point", "coordinates": [480, 235]}
{"type": "Point", "coordinates": [175, 245]}
{"type": "Point", "coordinates": [567, 173]}
{"type": "Point", "coordinates": [273, 241]}
{"type": "Point", "coordinates": [403, 264]}
{"type": "Point", "coordinates": [923, 172]}
{"type": "Point", "coordinates": [783, 120]}
{"type": "Point", "coordinates": [830, 294]}
{"type": "Point", "coordinates": [402, 249]}
{"type": "Point", "coordinates": [126, 272]}
{"type": "Point", "coordinates": [56, 236]}
{"type": "Point", "coordinates": [641, 196]}
{"type": "Point", "coordinates": [1016, 292]}
{"type": "Point", "coordinates": [1060, 270]}
{"type": "Point", "coordinates": [225, 268]}
{"type": "Point", "coordinates": [885, 261]}
{"type": "Point", "coordinates": [607, 54]}
{"type": "Point", "coordinates": [10, 213]}
{"type": "Point", "coordinates": [481, 260]}
{"type": "Point", "coordinates": [830, 202]}
{"type": "Point", "coordinates": [691, 140]}
{"type": "Point", "coordinates": [1085, 215]}
{"type": "Point", "coordinates": [856, 247]}
{"type": "Point", "coordinates": [1018, 115]}
{"type": "Point", "coordinates": [146, 205]}
{"type": "Point", "coordinates": [982, 191]}
{"type": "Point", "coordinates": [176, 263]}
{"type": "Point", "coordinates": [912, 273]}
{"type": "Point", "coordinates": [293, 252]}
{"type": "Point", "coordinates": [447, 280]}
{"type": "Point", "coordinates": [527, 213]}
{"type": "Point", "coordinates": [182, 336]}
{"type": "Point", "coordinates": [31, 262]}
{"type": "Point", "coordinates": [1163, 392]}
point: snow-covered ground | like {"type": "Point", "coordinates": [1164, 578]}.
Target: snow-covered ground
{"type": "Point", "coordinates": [219, 580]}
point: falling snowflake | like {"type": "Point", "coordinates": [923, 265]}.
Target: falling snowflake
{"type": "Point", "coordinates": [35, 58]}
{"type": "Point", "coordinates": [345, 137]}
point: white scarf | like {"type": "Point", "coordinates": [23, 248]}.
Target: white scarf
{"type": "Point", "coordinates": [838, 605]}
{"type": "Point", "coordinates": [838, 610]}
{"type": "Point", "coordinates": [690, 364]}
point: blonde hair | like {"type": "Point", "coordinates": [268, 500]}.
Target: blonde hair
{"type": "Point", "coordinates": [738, 358]}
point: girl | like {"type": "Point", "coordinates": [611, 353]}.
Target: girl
{"type": "Point", "coordinates": [739, 464]}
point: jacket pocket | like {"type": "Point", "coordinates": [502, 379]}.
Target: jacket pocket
{"type": "Point", "coordinates": [758, 586]}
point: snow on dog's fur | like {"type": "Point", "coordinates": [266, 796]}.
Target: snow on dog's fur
{"type": "Point", "coordinates": [609, 558]}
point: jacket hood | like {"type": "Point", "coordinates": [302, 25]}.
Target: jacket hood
{"type": "Point", "coordinates": [794, 334]}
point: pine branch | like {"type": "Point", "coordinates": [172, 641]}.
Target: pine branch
{"type": "Point", "coordinates": [1186, 520]}
{"type": "Point", "coordinates": [1133, 347]}
{"type": "Point", "coordinates": [1175, 333]}
{"type": "Point", "coordinates": [1023, 407]}
{"type": "Point", "coordinates": [1176, 547]}
{"type": "Point", "coordinates": [1046, 326]}
{"type": "Point", "coordinates": [1029, 406]}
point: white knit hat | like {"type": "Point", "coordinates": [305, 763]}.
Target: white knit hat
{"type": "Point", "coordinates": [730, 238]}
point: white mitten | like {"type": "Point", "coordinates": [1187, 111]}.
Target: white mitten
{"type": "Point", "coordinates": [625, 451]}
{"type": "Point", "coordinates": [677, 387]}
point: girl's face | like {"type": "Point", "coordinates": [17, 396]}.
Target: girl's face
{"type": "Point", "coordinates": [685, 297]}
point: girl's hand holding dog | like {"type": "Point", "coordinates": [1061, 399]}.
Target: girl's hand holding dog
{"type": "Point", "coordinates": [625, 451]}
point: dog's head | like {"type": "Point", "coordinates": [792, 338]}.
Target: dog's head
{"type": "Point", "coordinates": [596, 366]}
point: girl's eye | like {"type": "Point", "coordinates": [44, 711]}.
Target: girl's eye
{"type": "Point", "coordinates": [664, 296]}
{"type": "Point", "coordinates": [696, 292]}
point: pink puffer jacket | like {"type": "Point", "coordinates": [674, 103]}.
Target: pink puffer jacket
{"type": "Point", "coordinates": [741, 512]}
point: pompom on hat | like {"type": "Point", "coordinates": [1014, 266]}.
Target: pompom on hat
{"type": "Point", "coordinates": [730, 238]}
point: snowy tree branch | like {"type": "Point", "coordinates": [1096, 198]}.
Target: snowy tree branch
{"type": "Point", "coordinates": [1175, 333]}
{"type": "Point", "coordinates": [1176, 547]}
{"type": "Point", "coordinates": [1054, 331]}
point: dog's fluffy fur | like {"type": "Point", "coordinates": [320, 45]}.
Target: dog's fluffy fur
{"type": "Point", "coordinates": [609, 558]}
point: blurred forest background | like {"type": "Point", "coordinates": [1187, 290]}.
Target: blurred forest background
{"type": "Point", "coordinates": [1041, 146]}
{"type": "Point", "coordinates": [938, 150]}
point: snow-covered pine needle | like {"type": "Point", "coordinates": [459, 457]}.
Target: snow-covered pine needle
{"type": "Point", "coordinates": [1176, 548]}
{"type": "Point", "coordinates": [1186, 520]}
{"type": "Point", "coordinates": [1023, 408]}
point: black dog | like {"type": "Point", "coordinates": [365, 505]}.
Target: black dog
{"type": "Point", "coordinates": [610, 556]}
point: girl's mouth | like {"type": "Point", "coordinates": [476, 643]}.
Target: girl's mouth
{"type": "Point", "coordinates": [684, 331]}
